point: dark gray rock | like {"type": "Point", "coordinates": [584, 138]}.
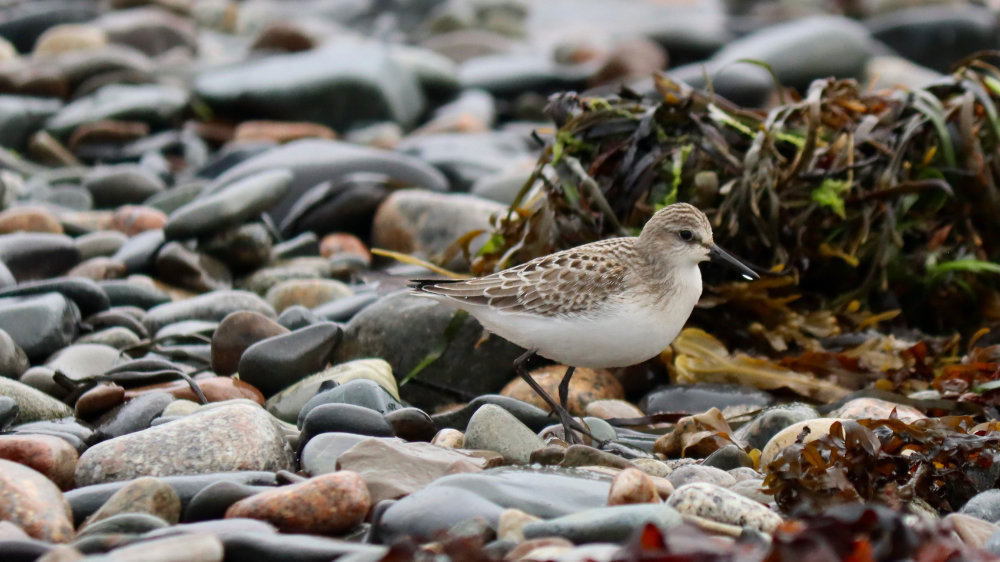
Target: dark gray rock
{"type": "Point", "coordinates": [21, 117]}
{"type": "Point", "coordinates": [279, 361]}
{"type": "Point", "coordinates": [605, 524]}
{"type": "Point", "coordinates": [228, 206]}
{"type": "Point", "coordinates": [86, 294]}
{"type": "Point", "coordinates": [127, 293]}
{"type": "Point", "coordinates": [40, 325]}
{"type": "Point", "coordinates": [343, 418]}
{"type": "Point", "coordinates": [13, 361]}
{"type": "Point", "coordinates": [37, 255]}
{"type": "Point", "coordinates": [359, 392]}
{"type": "Point", "coordinates": [210, 306]}
{"type": "Point", "coordinates": [180, 266]}
{"type": "Point", "coordinates": [157, 105]}
{"type": "Point", "coordinates": [768, 423]}
{"type": "Point", "coordinates": [138, 252]}
{"type": "Point", "coordinates": [123, 184]}
{"type": "Point", "coordinates": [134, 415]}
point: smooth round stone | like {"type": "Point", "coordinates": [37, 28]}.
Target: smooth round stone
{"type": "Point", "coordinates": [405, 329]}
{"type": "Point", "coordinates": [116, 337]}
{"type": "Point", "coordinates": [101, 243]}
{"type": "Point", "coordinates": [82, 360]}
{"type": "Point", "coordinates": [802, 50]}
{"type": "Point", "coordinates": [213, 501]}
{"type": "Point", "coordinates": [611, 524]}
{"type": "Point", "coordinates": [135, 219]}
{"type": "Point", "coordinates": [8, 412]}
{"type": "Point", "coordinates": [265, 279]}
{"type": "Point", "coordinates": [320, 455]}
{"type": "Point", "coordinates": [295, 317]}
{"type": "Point", "coordinates": [325, 504]}
{"type": "Point", "coordinates": [875, 408]}
{"type": "Point", "coordinates": [34, 503]}
{"type": "Point", "coordinates": [449, 438]}
{"type": "Point", "coordinates": [985, 505]}
{"type": "Point", "coordinates": [343, 309]}
{"type": "Point", "coordinates": [586, 386]}
{"type": "Point", "coordinates": [142, 495]}
{"type": "Point", "coordinates": [583, 455]}
{"type": "Point", "coordinates": [546, 493]}
{"type": "Point", "coordinates": [134, 415]}
{"type": "Point", "coordinates": [237, 332]}
{"type": "Point", "coordinates": [86, 294]}
{"type": "Point", "coordinates": [495, 429]}
{"type": "Point", "coordinates": [154, 104]}
{"type": "Point", "coordinates": [426, 223]}
{"type": "Point", "coordinates": [138, 252]}
{"type": "Point", "coordinates": [728, 458]}
{"type": "Point", "coordinates": [152, 29]}
{"type": "Point", "coordinates": [187, 446]}
{"type": "Point", "coordinates": [818, 427]}
{"type": "Point", "coordinates": [359, 392]}
{"type": "Point", "coordinates": [135, 523]}
{"type": "Point", "coordinates": [719, 504]}
{"type": "Point", "coordinates": [766, 424]}
{"type": "Point", "coordinates": [700, 473]}
{"type": "Point", "coordinates": [86, 500]}
{"type": "Point", "coordinates": [128, 293]}
{"type": "Point", "coordinates": [246, 247]}
{"type": "Point", "coordinates": [194, 271]}
{"type": "Point", "coordinates": [695, 399]}
{"type": "Point", "coordinates": [412, 424]}
{"type": "Point", "coordinates": [632, 486]}
{"type": "Point", "coordinates": [22, 116]}
{"type": "Point", "coordinates": [98, 400]}
{"type": "Point", "coordinates": [69, 37]}
{"type": "Point", "coordinates": [188, 546]}
{"type": "Point", "coordinates": [529, 414]}
{"type": "Point", "coordinates": [13, 361]}
{"type": "Point", "coordinates": [314, 161]}
{"type": "Point", "coordinates": [122, 184]}
{"type": "Point", "coordinates": [344, 418]}
{"type": "Point", "coordinates": [393, 469]}
{"type": "Point", "coordinates": [309, 293]}
{"type": "Point", "coordinates": [51, 456]}
{"type": "Point", "coordinates": [357, 83]}
{"type": "Point", "coordinates": [277, 362]}
{"type": "Point", "coordinates": [98, 269]}
{"type": "Point", "coordinates": [40, 324]}
{"type": "Point", "coordinates": [29, 219]}
{"type": "Point", "coordinates": [211, 306]}
{"type": "Point", "coordinates": [121, 316]}
{"type": "Point", "coordinates": [230, 206]}
{"type": "Point", "coordinates": [287, 404]}
{"type": "Point", "coordinates": [37, 255]}
{"type": "Point", "coordinates": [32, 404]}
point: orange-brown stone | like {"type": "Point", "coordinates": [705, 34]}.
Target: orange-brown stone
{"type": "Point", "coordinates": [215, 389]}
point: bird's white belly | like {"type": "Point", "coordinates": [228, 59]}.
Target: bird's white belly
{"type": "Point", "coordinates": [626, 336]}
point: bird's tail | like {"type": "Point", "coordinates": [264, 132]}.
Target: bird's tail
{"type": "Point", "coordinates": [420, 284]}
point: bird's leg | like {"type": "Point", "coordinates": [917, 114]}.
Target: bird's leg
{"type": "Point", "coordinates": [569, 424]}
{"type": "Point", "coordinates": [564, 387]}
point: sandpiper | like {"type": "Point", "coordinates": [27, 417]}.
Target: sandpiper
{"type": "Point", "coordinates": [611, 303]}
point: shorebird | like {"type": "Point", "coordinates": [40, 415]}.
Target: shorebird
{"type": "Point", "coordinates": [611, 303]}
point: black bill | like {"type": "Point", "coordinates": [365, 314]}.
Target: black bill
{"type": "Point", "coordinates": [718, 254]}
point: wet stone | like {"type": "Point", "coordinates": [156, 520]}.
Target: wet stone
{"type": "Point", "coordinates": [213, 501]}
{"type": "Point", "coordinates": [211, 306]}
{"type": "Point", "coordinates": [186, 446]}
{"type": "Point", "coordinates": [412, 424]}
{"type": "Point", "coordinates": [34, 503]}
{"type": "Point", "coordinates": [134, 415]}
{"type": "Point", "coordinates": [309, 293]}
{"type": "Point", "coordinates": [495, 429]}
{"type": "Point", "coordinates": [605, 524]}
{"type": "Point", "coordinates": [51, 456]}
{"type": "Point", "coordinates": [237, 332]}
{"type": "Point", "coordinates": [138, 252]}
{"type": "Point", "coordinates": [359, 392]}
{"type": "Point", "coordinates": [231, 206]}
{"type": "Point", "coordinates": [326, 504]}
{"type": "Point", "coordinates": [142, 495]}
{"type": "Point", "coordinates": [721, 505]}
{"type": "Point", "coordinates": [135, 523]}
{"type": "Point", "coordinates": [277, 362]}
{"type": "Point", "coordinates": [40, 325]}
{"type": "Point", "coordinates": [86, 294]}
{"type": "Point", "coordinates": [346, 418]}
{"type": "Point", "coordinates": [296, 316]}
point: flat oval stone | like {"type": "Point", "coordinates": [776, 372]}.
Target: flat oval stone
{"type": "Point", "coordinates": [191, 270]}
{"type": "Point", "coordinates": [136, 219]}
{"type": "Point", "coordinates": [142, 495]}
{"type": "Point", "coordinates": [287, 404]}
{"type": "Point", "coordinates": [605, 524]}
{"type": "Point", "coordinates": [117, 337]}
{"type": "Point", "coordinates": [36, 255]}
{"type": "Point", "coordinates": [213, 501]}
{"type": "Point", "coordinates": [34, 503]}
{"type": "Point", "coordinates": [128, 293]}
{"type": "Point", "coordinates": [229, 206]}
{"type": "Point", "coordinates": [412, 424]}
{"type": "Point", "coordinates": [211, 306]}
{"type": "Point", "coordinates": [99, 243]}
{"type": "Point", "coordinates": [154, 104]}
{"type": "Point", "coordinates": [237, 332]}
{"type": "Point", "coordinates": [346, 418]}
{"type": "Point", "coordinates": [359, 392]}
{"type": "Point", "coordinates": [32, 405]}
{"type": "Point", "coordinates": [122, 184]}
{"type": "Point", "coordinates": [215, 389]}
{"type": "Point", "coordinates": [295, 547]}
{"type": "Point", "coordinates": [530, 415]}
{"type": "Point", "coordinates": [279, 361]}
{"type": "Point", "coordinates": [262, 280]}
{"type": "Point", "coordinates": [309, 293]}
{"type": "Point", "coordinates": [132, 416]}
{"type": "Point", "coordinates": [724, 506]}
{"type": "Point", "coordinates": [86, 294]}
{"type": "Point", "coordinates": [138, 252]}
{"type": "Point", "coordinates": [99, 399]}
{"type": "Point", "coordinates": [51, 456]}
{"type": "Point", "coordinates": [766, 424]}
{"type": "Point", "coordinates": [29, 219]}
{"type": "Point", "coordinates": [82, 360]}
{"type": "Point", "coordinates": [295, 317]}
{"type": "Point", "coordinates": [188, 446]}
{"type": "Point", "coordinates": [188, 546]}
{"type": "Point", "coordinates": [695, 399]}
{"type": "Point", "coordinates": [122, 524]}
{"type": "Point", "coordinates": [40, 324]}
{"type": "Point", "coordinates": [325, 504]}
{"type": "Point", "coordinates": [495, 429]}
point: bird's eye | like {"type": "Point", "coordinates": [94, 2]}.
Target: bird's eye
{"type": "Point", "coordinates": [686, 235]}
